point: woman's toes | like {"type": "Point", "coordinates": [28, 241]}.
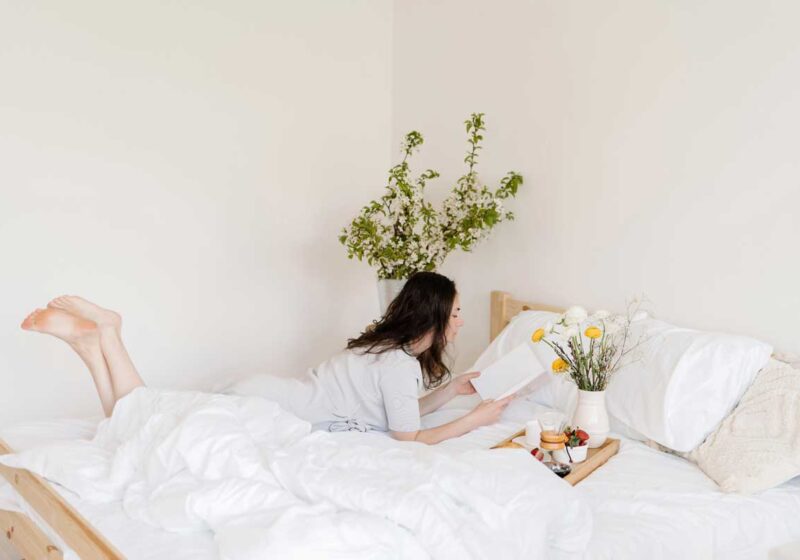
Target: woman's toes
{"type": "Point", "coordinates": [30, 321]}
{"type": "Point", "coordinates": [56, 303]}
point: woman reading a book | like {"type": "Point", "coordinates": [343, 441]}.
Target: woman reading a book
{"type": "Point", "coordinates": [374, 384]}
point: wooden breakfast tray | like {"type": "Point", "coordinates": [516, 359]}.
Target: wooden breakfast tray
{"type": "Point", "coordinates": [594, 457]}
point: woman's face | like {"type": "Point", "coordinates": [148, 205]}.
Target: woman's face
{"type": "Point", "coordinates": [455, 320]}
{"type": "Point", "coordinates": [450, 332]}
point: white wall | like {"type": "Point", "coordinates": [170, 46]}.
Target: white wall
{"type": "Point", "coordinates": [659, 145]}
{"type": "Point", "coordinates": [189, 164]}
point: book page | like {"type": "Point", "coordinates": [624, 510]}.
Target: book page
{"type": "Point", "coordinates": [509, 374]}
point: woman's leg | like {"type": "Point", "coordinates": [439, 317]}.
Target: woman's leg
{"type": "Point", "coordinates": [124, 377]}
{"type": "Point", "coordinates": [83, 336]}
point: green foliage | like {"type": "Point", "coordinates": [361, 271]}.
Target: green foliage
{"type": "Point", "coordinates": [401, 233]}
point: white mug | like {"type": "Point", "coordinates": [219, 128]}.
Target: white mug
{"type": "Point", "coordinates": [532, 432]}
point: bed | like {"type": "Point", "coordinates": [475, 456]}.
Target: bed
{"type": "Point", "coordinates": [643, 501]}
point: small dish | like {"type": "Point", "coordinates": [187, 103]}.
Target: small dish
{"type": "Point", "coordinates": [576, 455]}
{"type": "Point", "coordinates": [561, 469]}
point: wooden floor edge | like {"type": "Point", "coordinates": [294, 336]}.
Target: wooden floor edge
{"type": "Point", "coordinates": [70, 525]}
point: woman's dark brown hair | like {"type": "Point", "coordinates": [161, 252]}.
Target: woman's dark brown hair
{"type": "Point", "coordinates": [424, 305]}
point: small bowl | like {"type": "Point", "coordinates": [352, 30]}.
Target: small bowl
{"type": "Point", "coordinates": [561, 469]}
{"type": "Point", "coordinates": [576, 454]}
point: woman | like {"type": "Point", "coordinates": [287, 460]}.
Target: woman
{"type": "Point", "coordinates": [373, 384]}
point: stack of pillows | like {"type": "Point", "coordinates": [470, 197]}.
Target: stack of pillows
{"type": "Point", "coordinates": [719, 400]}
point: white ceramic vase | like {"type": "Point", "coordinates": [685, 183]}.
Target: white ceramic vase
{"type": "Point", "coordinates": [591, 416]}
{"type": "Point", "coordinates": [387, 291]}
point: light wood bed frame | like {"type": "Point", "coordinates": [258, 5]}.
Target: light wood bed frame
{"type": "Point", "coordinates": [31, 541]}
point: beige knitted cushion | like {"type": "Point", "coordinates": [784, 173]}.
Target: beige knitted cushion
{"type": "Point", "coordinates": [758, 445]}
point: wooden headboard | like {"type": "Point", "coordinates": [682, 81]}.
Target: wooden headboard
{"type": "Point", "coordinates": [504, 308]}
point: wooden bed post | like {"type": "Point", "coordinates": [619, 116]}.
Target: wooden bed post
{"type": "Point", "coordinates": [70, 525]}
{"type": "Point", "coordinates": [498, 318]}
{"type": "Point", "coordinates": [504, 308]}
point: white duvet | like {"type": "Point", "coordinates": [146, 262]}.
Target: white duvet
{"type": "Point", "coordinates": [268, 488]}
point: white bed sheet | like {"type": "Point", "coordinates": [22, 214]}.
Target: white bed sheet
{"type": "Point", "coordinates": [647, 504]}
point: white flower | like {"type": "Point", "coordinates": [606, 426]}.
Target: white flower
{"type": "Point", "coordinates": [615, 323]}
{"type": "Point", "coordinates": [639, 316]}
{"type": "Point", "coordinates": [575, 315]}
{"type": "Point", "coordinates": [601, 314]}
{"type": "Point", "coordinates": [569, 332]}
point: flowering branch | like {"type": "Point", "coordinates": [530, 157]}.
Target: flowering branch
{"type": "Point", "coordinates": [401, 233]}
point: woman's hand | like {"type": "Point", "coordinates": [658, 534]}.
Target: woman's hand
{"type": "Point", "coordinates": [461, 385]}
{"type": "Point", "coordinates": [488, 412]}
{"type": "Point", "coordinates": [458, 386]}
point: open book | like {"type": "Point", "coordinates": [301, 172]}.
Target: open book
{"type": "Point", "coordinates": [509, 374]}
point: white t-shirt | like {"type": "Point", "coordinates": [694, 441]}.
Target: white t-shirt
{"type": "Point", "coordinates": [355, 390]}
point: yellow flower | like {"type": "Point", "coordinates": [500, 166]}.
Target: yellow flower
{"type": "Point", "coordinates": [538, 335]}
{"type": "Point", "coordinates": [593, 332]}
{"type": "Point", "coordinates": [559, 365]}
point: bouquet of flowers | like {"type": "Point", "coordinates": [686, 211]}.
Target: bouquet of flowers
{"type": "Point", "coordinates": [591, 357]}
{"type": "Point", "coordinates": [402, 233]}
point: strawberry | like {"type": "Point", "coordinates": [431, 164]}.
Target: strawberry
{"type": "Point", "coordinates": [537, 453]}
{"type": "Point", "coordinates": [583, 436]}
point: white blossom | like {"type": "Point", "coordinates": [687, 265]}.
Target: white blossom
{"type": "Point", "coordinates": [639, 316]}
{"type": "Point", "coordinates": [575, 315]}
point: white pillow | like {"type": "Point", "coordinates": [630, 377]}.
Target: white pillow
{"type": "Point", "coordinates": [685, 382]}
{"type": "Point", "coordinates": [758, 446]}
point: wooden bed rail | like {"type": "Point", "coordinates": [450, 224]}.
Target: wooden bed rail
{"type": "Point", "coordinates": [26, 538]}
{"type": "Point", "coordinates": [71, 526]}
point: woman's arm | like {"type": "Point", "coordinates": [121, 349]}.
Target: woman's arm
{"type": "Point", "coordinates": [435, 399]}
{"type": "Point", "coordinates": [458, 386]}
{"type": "Point", "coordinates": [488, 412]}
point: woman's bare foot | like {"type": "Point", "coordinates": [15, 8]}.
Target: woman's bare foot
{"type": "Point", "coordinates": [83, 336]}
{"type": "Point", "coordinates": [88, 310]}
{"type": "Point", "coordinates": [57, 322]}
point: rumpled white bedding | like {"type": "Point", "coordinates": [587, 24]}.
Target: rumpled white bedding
{"type": "Point", "coordinates": [267, 488]}
{"type": "Point", "coordinates": [654, 505]}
